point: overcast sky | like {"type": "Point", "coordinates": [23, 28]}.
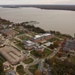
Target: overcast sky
{"type": "Point", "coordinates": [37, 2]}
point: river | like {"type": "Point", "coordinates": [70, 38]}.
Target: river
{"type": "Point", "coordinates": [58, 20]}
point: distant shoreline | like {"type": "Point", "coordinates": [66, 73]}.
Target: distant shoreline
{"type": "Point", "coordinates": [48, 7]}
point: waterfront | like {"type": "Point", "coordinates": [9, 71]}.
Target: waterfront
{"type": "Point", "coordinates": [59, 20]}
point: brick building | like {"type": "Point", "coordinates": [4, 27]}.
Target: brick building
{"type": "Point", "coordinates": [42, 37]}
{"type": "Point", "coordinates": [11, 55]}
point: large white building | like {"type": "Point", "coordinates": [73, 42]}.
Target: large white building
{"type": "Point", "coordinates": [28, 44]}
{"type": "Point", "coordinates": [42, 37]}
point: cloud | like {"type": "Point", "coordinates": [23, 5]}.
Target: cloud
{"type": "Point", "coordinates": [37, 1]}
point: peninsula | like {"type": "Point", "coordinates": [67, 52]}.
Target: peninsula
{"type": "Point", "coordinates": [29, 50]}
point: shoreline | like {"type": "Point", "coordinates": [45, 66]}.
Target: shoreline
{"type": "Point", "coordinates": [46, 7]}
{"type": "Point", "coordinates": [57, 22]}
{"type": "Point", "coordinates": [33, 26]}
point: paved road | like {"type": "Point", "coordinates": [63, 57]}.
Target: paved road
{"type": "Point", "coordinates": [49, 70]}
{"type": "Point", "coordinates": [36, 60]}
{"type": "Point", "coordinates": [26, 67]}
{"type": "Point", "coordinates": [27, 71]}
{"type": "Point", "coordinates": [47, 48]}
{"type": "Point", "coordinates": [18, 39]}
{"type": "Point", "coordinates": [53, 54]}
{"type": "Point", "coordinates": [48, 73]}
{"type": "Point", "coordinates": [33, 57]}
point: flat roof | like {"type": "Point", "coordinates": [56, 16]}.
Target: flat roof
{"type": "Point", "coordinates": [69, 45]}
{"type": "Point", "coordinates": [42, 35]}
{"type": "Point", "coordinates": [11, 54]}
{"type": "Point", "coordinates": [29, 43]}
{"type": "Point", "coordinates": [48, 43]}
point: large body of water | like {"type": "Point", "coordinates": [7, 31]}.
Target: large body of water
{"type": "Point", "coordinates": [59, 20]}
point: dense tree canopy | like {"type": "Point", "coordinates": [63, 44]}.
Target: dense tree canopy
{"type": "Point", "coordinates": [1, 69]}
{"type": "Point", "coordinates": [61, 67]}
{"type": "Point", "coordinates": [37, 72]}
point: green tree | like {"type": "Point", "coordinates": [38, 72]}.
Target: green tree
{"type": "Point", "coordinates": [1, 69]}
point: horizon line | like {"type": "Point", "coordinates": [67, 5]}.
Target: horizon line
{"type": "Point", "coordinates": [37, 4]}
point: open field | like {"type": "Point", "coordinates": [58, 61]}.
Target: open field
{"type": "Point", "coordinates": [20, 70]}
{"type": "Point", "coordinates": [73, 59]}
{"type": "Point", "coordinates": [33, 68]}
{"type": "Point", "coordinates": [27, 61]}
{"type": "Point", "coordinates": [43, 54]}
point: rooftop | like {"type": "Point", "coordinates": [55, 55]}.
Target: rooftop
{"type": "Point", "coordinates": [41, 66]}
{"type": "Point", "coordinates": [11, 73]}
{"type": "Point", "coordinates": [8, 31]}
{"type": "Point", "coordinates": [29, 43]}
{"type": "Point", "coordinates": [41, 35]}
{"type": "Point", "coordinates": [11, 54]}
{"type": "Point", "coordinates": [48, 43]}
{"type": "Point", "coordinates": [69, 45]}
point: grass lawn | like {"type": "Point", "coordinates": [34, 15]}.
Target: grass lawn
{"type": "Point", "coordinates": [53, 39]}
{"type": "Point", "coordinates": [24, 37]}
{"type": "Point", "coordinates": [19, 32]}
{"type": "Point", "coordinates": [73, 59]}
{"type": "Point", "coordinates": [33, 68]}
{"type": "Point", "coordinates": [29, 60]}
{"type": "Point", "coordinates": [20, 70]}
{"type": "Point", "coordinates": [33, 34]}
{"type": "Point", "coordinates": [20, 45]}
{"type": "Point", "coordinates": [44, 54]}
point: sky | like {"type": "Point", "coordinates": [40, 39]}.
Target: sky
{"type": "Point", "coordinates": [37, 2]}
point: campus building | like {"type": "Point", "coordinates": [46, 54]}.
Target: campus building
{"type": "Point", "coordinates": [29, 44]}
{"type": "Point", "coordinates": [8, 32]}
{"type": "Point", "coordinates": [11, 72]}
{"type": "Point", "coordinates": [69, 45]}
{"type": "Point", "coordinates": [39, 48]}
{"type": "Point", "coordinates": [42, 37]}
{"type": "Point", "coordinates": [6, 66]}
{"type": "Point", "coordinates": [11, 55]}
